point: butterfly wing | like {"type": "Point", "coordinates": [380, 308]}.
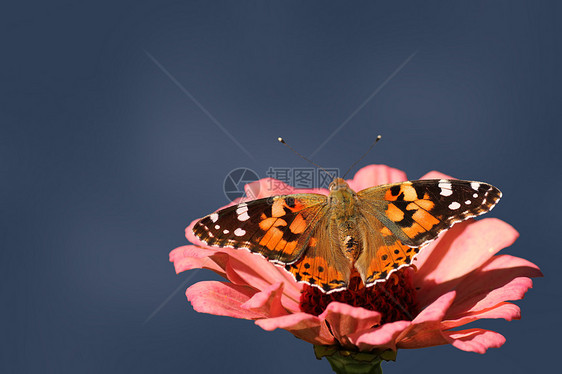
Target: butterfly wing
{"type": "Point", "coordinates": [400, 218]}
{"type": "Point", "coordinates": [382, 252]}
{"type": "Point", "coordinates": [416, 212]}
{"type": "Point", "coordinates": [323, 264]}
{"type": "Point", "coordinates": [278, 227]}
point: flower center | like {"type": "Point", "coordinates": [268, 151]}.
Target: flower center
{"type": "Point", "coordinates": [394, 299]}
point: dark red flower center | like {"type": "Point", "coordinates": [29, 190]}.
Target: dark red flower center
{"type": "Point", "coordinates": [394, 299]}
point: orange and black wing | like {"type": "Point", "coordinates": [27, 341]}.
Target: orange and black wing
{"type": "Point", "coordinates": [398, 219]}
{"type": "Point", "coordinates": [416, 212]}
{"type": "Point", "coordinates": [278, 227]}
{"type": "Point", "coordinates": [382, 253]}
{"type": "Point", "coordinates": [323, 264]}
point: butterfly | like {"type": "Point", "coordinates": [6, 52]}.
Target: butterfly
{"type": "Point", "coordinates": [321, 240]}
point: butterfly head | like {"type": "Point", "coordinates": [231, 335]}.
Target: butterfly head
{"type": "Point", "coordinates": [340, 192]}
{"type": "Point", "coordinates": [338, 184]}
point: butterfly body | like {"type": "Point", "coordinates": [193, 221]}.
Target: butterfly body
{"type": "Point", "coordinates": [321, 240]}
{"type": "Point", "coordinates": [343, 207]}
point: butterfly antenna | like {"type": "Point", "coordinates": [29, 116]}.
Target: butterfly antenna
{"type": "Point", "coordinates": [362, 157]}
{"type": "Point", "coordinates": [281, 140]}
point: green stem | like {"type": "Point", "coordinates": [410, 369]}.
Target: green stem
{"type": "Point", "coordinates": [350, 362]}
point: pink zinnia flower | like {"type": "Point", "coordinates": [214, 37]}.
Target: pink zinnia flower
{"type": "Point", "coordinates": [457, 279]}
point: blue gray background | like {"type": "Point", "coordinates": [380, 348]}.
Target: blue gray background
{"type": "Point", "coordinates": [105, 157]}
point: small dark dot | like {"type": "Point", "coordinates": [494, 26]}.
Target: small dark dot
{"type": "Point", "coordinates": [306, 265]}
{"type": "Point", "coordinates": [396, 251]}
{"type": "Point", "coordinates": [395, 190]}
{"type": "Point", "coordinates": [312, 281]}
{"type": "Point", "coordinates": [320, 269]}
{"type": "Point", "coordinates": [298, 277]}
{"type": "Point", "coordinates": [384, 257]}
{"type": "Point", "coordinates": [290, 202]}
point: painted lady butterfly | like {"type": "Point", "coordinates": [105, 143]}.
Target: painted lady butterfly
{"type": "Point", "coordinates": [321, 239]}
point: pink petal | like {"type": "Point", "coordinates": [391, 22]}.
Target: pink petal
{"type": "Point", "coordinates": [500, 279]}
{"type": "Point", "coordinates": [504, 310]}
{"type": "Point", "coordinates": [437, 310]}
{"type": "Point", "coordinates": [245, 268]}
{"type": "Point", "coordinates": [423, 339]}
{"type": "Point", "coordinates": [303, 325]}
{"type": "Point", "coordinates": [345, 319]}
{"type": "Point", "coordinates": [267, 187]}
{"type": "Point", "coordinates": [240, 267]}
{"type": "Point", "coordinates": [255, 270]}
{"type": "Point", "coordinates": [436, 175]}
{"type": "Point", "coordinates": [271, 187]}
{"type": "Point", "coordinates": [465, 247]}
{"type": "Point", "coordinates": [373, 175]}
{"type": "Point", "coordinates": [191, 257]}
{"type": "Point", "coordinates": [474, 340]}
{"type": "Point", "coordinates": [221, 298]}
{"type": "Point", "coordinates": [267, 302]}
{"type": "Point", "coordinates": [425, 330]}
{"type": "Point", "coordinates": [383, 337]}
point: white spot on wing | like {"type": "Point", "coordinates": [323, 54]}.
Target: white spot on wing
{"type": "Point", "coordinates": [446, 187]}
{"type": "Point", "coordinates": [239, 232]}
{"type": "Point", "coordinates": [214, 217]}
{"type": "Point", "coordinates": [217, 227]}
{"type": "Point", "coordinates": [475, 195]}
{"type": "Point", "coordinates": [467, 202]}
{"type": "Point", "coordinates": [244, 216]}
{"type": "Point", "coordinates": [242, 208]}
{"type": "Point", "coordinates": [475, 185]}
{"type": "Point", "coordinates": [225, 231]}
{"type": "Point", "coordinates": [454, 205]}
{"type": "Point", "coordinates": [445, 192]}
